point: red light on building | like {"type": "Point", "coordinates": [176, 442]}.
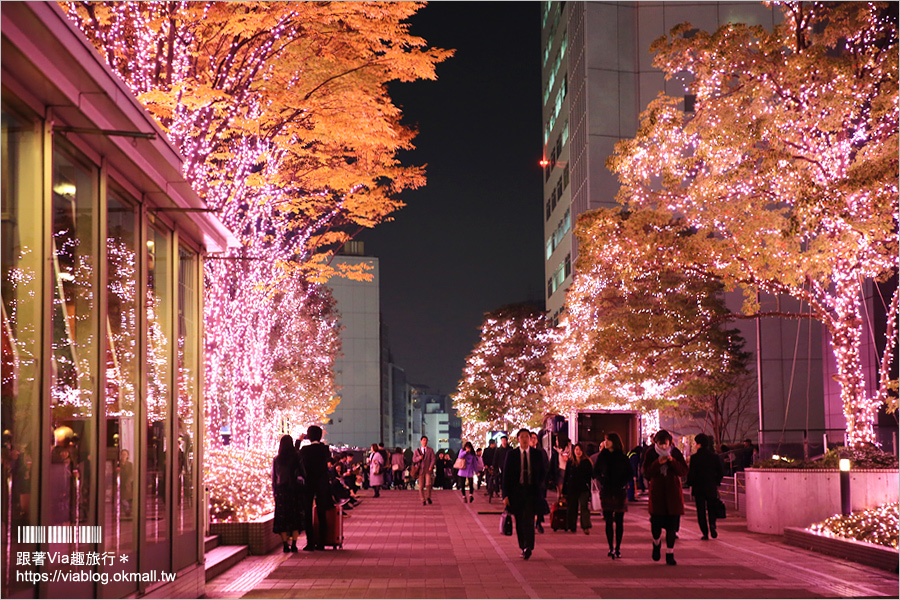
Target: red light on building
{"type": "Point", "coordinates": [544, 162]}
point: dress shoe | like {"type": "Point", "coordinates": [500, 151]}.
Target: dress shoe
{"type": "Point", "coordinates": [429, 501]}
{"type": "Point", "coordinates": [471, 499]}
{"type": "Point", "coordinates": [704, 537]}
{"type": "Point", "coordinates": [587, 531]}
{"type": "Point", "coordinates": [526, 553]}
{"type": "Point", "coordinates": [656, 551]}
{"type": "Point", "coordinates": [539, 528]}
{"type": "Point", "coordinates": [714, 534]}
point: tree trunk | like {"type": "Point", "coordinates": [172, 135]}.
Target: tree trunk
{"type": "Point", "coordinates": [846, 334]}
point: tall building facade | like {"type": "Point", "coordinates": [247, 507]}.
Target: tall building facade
{"type": "Point", "coordinates": [597, 77]}
{"type": "Point", "coordinates": [357, 420]}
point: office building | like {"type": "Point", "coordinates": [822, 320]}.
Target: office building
{"type": "Point", "coordinates": [357, 420]}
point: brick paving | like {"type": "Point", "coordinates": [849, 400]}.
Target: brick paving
{"type": "Point", "coordinates": [396, 548]}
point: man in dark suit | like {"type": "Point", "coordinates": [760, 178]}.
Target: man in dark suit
{"type": "Point", "coordinates": [314, 459]}
{"type": "Point", "coordinates": [523, 475]}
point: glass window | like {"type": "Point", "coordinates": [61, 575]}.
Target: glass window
{"type": "Point", "coordinates": [188, 366]}
{"type": "Point", "coordinates": [158, 309]}
{"type": "Point", "coordinates": [120, 491]}
{"type": "Point", "coordinates": [21, 182]}
{"type": "Point", "coordinates": [74, 355]}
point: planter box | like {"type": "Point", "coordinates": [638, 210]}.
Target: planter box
{"type": "Point", "coordinates": [257, 535]}
{"type": "Point", "coordinates": [780, 498]}
{"type": "Point", "coordinates": [873, 555]}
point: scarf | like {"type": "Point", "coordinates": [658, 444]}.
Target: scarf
{"type": "Point", "coordinates": [664, 469]}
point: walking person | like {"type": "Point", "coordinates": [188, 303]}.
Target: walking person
{"type": "Point", "coordinates": [376, 470]}
{"type": "Point", "coordinates": [468, 461]}
{"type": "Point", "coordinates": [286, 482]}
{"type": "Point", "coordinates": [704, 476]}
{"type": "Point", "coordinates": [500, 461]}
{"type": "Point", "coordinates": [577, 489]}
{"type": "Point", "coordinates": [423, 462]}
{"type": "Point", "coordinates": [613, 472]}
{"type": "Point", "coordinates": [522, 474]}
{"type": "Point", "coordinates": [314, 459]}
{"type": "Point", "coordinates": [664, 466]}
{"type": "Point", "coordinates": [398, 465]}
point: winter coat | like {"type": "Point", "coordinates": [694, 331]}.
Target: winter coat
{"type": "Point", "coordinates": [705, 473]}
{"type": "Point", "coordinates": [613, 471]}
{"type": "Point", "coordinates": [376, 478]}
{"type": "Point", "coordinates": [469, 469]}
{"type": "Point", "coordinates": [666, 497]}
{"type": "Point", "coordinates": [577, 478]}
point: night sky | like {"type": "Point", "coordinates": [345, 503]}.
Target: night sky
{"type": "Point", "coordinates": [470, 241]}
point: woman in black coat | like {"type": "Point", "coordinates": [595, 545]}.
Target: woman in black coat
{"type": "Point", "coordinates": [613, 471]}
{"type": "Point", "coordinates": [577, 488]}
{"type": "Point", "coordinates": [287, 477]}
{"type": "Point", "coordinates": [704, 476]}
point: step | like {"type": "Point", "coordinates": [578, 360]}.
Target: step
{"type": "Point", "coordinates": [222, 558]}
{"type": "Point", "coordinates": [210, 541]}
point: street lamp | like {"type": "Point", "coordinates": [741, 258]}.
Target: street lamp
{"type": "Point", "coordinates": [845, 485]}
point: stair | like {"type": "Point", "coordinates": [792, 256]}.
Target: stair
{"type": "Point", "coordinates": [221, 558]}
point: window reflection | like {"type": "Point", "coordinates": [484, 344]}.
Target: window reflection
{"type": "Point", "coordinates": [158, 306]}
{"type": "Point", "coordinates": [20, 327]}
{"type": "Point", "coordinates": [74, 342]}
{"type": "Point", "coordinates": [120, 490]}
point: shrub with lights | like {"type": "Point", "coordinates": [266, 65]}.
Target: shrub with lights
{"type": "Point", "coordinates": [878, 525]}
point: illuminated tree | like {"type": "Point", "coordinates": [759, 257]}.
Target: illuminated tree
{"type": "Point", "coordinates": [502, 381]}
{"type": "Point", "coordinates": [787, 168]}
{"type": "Point", "coordinates": [281, 112]}
{"type": "Point", "coordinates": [637, 332]}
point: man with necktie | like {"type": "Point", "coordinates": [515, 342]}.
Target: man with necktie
{"type": "Point", "coordinates": [523, 475]}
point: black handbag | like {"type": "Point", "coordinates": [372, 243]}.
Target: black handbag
{"type": "Point", "coordinates": [720, 508]}
{"type": "Point", "coordinates": [506, 523]}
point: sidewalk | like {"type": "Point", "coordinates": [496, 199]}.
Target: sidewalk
{"type": "Point", "coordinates": [396, 548]}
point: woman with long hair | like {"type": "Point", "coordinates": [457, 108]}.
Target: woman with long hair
{"type": "Point", "coordinates": [577, 488]}
{"type": "Point", "coordinates": [467, 473]}
{"type": "Point", "coordinates": [613, 472]}
{"type": "Point", "coordinates": [287, 479]}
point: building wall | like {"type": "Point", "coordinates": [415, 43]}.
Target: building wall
{"type": "Point", "coordinates": [101, 321]}
{"type": "Point", "coordinates": [357, 421]}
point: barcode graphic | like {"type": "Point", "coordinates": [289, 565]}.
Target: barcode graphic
{"type": "Point", "coordinates": [60, 534]}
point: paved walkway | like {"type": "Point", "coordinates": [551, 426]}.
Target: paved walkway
{"type": "Point", "coordinates": [397, 548]}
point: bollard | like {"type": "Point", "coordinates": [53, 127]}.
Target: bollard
{"type": "Point", "coordinates": [845, 486]}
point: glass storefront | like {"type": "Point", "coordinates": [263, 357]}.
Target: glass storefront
{"type": "Point", "coordinates": [101, 322]}
{"type": "Point", "coordinates": [22, 322]}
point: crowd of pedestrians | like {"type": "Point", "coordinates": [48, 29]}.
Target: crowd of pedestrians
{"type": "Point", "coordinates": [309, 477]}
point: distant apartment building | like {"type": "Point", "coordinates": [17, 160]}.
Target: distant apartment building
{"type": "Point", "coordinates": [597, 77]}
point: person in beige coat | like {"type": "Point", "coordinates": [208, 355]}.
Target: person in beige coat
{"type": "Point", "coordinates": [423, 464]}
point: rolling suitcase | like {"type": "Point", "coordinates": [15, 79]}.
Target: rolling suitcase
{"type": "Point", "coordinates": [334, 519]}
{"type": "Point", "coordinates": [558, 515]}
